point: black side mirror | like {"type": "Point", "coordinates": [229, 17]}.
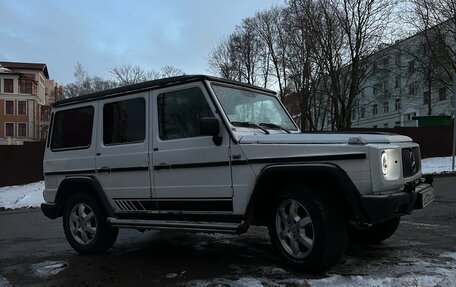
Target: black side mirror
{"type": "Point", "coordinates": [209, 127]}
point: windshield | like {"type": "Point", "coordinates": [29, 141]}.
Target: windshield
{"type": "Point", "coordinates": [245, 107]}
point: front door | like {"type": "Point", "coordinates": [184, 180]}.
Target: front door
{"type": "Point", "coordinates": [191, 173]}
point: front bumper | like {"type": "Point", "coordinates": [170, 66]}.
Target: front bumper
{"type": "Point", "coordinates": [379, 208]}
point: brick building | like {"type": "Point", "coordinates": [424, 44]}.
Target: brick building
{"type": "Point", "coordinates": [26, 93]}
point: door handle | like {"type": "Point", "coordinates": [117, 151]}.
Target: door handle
{"type": "Point", "coordinates": [104, 169]}
{"type": "Point", "coordinates": [162, 166]}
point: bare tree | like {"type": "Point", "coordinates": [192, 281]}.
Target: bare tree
{"type": "Point", "coordinates": [85, 84]}
{"type": "Point", "coordinates": [128, 74]}
{"type": "Point", "coordinates": [435, 20]}
{"type": "Point", "coordinates": [170, 71]}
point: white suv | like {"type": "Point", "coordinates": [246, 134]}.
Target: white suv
{"type": "Point", "coordinates": [204, 154]}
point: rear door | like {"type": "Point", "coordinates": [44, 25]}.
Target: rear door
{"type": "Point", "coordinates": [122, 159]}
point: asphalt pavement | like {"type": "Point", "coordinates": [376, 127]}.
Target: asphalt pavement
{"type": "Point", "coordinates": [34, 252]}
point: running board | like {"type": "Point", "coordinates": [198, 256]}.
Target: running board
{"type": "Point", "coordinates": [222, 227]}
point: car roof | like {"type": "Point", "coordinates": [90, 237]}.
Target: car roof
{"type": "Point", "coordinates": [150, 85]}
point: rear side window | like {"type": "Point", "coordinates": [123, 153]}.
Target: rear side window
{"type": "Point", "coordinates": [72, 129]}
{"type": "Point", "coordinates": [124, 122]}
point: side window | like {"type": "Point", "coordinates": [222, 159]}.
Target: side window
{"type": "Point", "coordinates": [72, 129]}
{"type": "Point", "coordinates": [179, 113]}
{"type": "Point", "coordinates": [124, 122]}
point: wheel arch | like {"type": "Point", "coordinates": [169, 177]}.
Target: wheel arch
{"type": "Point", "coordinates": [87, 184]}
{"type": "Point", "coordinates": [273, 177]}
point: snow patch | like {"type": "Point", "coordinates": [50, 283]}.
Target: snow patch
{"type": "Point", "coordinates": [17, 196]}
{"type": "Point", "coordinates": [436, 165]}
{"type": "Point", "coordinates": [4, 282]}
{"type": "Point", "coordinates": [451, 255]}
{"type": "Point", "coordinates": [49, 268]}
{"type": "Point", "coordinates": [242, 282]}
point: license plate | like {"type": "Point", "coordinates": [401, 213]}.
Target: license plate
{"type": "Point", "coordinates": [425, 198]}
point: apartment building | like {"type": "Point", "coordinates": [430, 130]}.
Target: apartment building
{"type": "Point", "coordinates": [26, 93]}
{"type": "Point", "coordinates": [404, 81]}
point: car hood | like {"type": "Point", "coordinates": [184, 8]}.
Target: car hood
{"type": "Point", "coordinates": [323, 138]}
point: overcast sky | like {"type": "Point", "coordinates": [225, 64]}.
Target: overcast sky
{"type": "Point", "coordinates": [102, 34]}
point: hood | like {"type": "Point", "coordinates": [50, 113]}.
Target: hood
{"type": "Point", "coordinates": [324, 138]}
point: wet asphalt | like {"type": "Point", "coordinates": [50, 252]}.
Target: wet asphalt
{"type": "Point", "coordinates": [34, 252]}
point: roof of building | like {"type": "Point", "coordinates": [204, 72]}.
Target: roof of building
{"type": "Point", "coordinates": [150, 85]}
{"type": "Point", "coordinates": [26, 66]}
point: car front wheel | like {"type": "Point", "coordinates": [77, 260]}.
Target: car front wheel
{"type": "Point", "coordinates": [308, 229]}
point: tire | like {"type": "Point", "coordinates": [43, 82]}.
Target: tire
{"type": "Point", "coordinates": [373, 234]}
{"type": "Point", "coordinates": [311, 238]}
{"type": "Point", "coordinates": [85, 225]}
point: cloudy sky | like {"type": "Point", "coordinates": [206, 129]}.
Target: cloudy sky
{"type": "Point", "coordinates": [102, 34]}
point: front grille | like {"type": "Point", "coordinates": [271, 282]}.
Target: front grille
{"type": "Point", "coordinates": [411, 161]}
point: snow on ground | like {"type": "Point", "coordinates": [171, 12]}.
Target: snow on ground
{"type": "Point", "coordinates": [411, 273]}
{"type": "Point", "coordinates": [436, 165]}
{"type": "Point", "coordinates": [31, 195]}
{"type": "Point", "coordinates": [17, 196]}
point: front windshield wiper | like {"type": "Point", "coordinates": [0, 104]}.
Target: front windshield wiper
{"type": "Point", "coordinates": [274, 126]}
{"type": "Point", "coordinates": [249, 125]}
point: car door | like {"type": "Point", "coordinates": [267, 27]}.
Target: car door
{"type": "Point", "coordinates": [122, 158]}
{"type": "Point", "coordinates": [191, 172]}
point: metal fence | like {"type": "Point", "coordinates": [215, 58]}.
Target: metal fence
{"type": "Point", "coordinates": [20, 164]}
{"type": "Point", "coordinates": [433, 141]}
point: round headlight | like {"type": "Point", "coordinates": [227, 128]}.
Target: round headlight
{"type": "Point", "coordinates": [384, 161]}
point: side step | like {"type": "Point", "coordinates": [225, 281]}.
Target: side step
{"type": "Point", "coordinates": [222, 227]}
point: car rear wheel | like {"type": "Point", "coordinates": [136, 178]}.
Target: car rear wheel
{"type": "Point", "coordinates": [85, 225]}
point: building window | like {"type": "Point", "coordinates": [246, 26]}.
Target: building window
{"type": "Point", "coordinates": [426, 96]}
{"type": "Point", "coordinates": [397, 124]}
{"type": "Point", "coordinates": [397, 81]}
{"type": "Point", "coordinates": [442, 94]}
{"type": "Point", "coordinates": [21, 107]}
{"type": "Point", "coordinates": [411, 66]}
{"type": "Point", "coordinates": [9, 129]}
{"type": "Point", "coordinates": [409, 117]}
{"type": "Point", "coordinates": [385, 107]}
{"type": "Point", "coordinates": [8, 86]}
{"type": "Point", "coordinates": [9, 107]}
{"type": "Point", "coordinates": [385, 62]}
{"type": "Point", "coordinates": [374, 109]}
{"type": "Point", "coordinates": [354, 114]}
{"type": "Point", "coordinates": [72, 129]}
{"type": "Point", "coordinates": [377, 88]}
{"type": "Point", "coordinates": [363, 112]}
{"type": "Point", "coordinates": [22, 130]}
{"type": "Point", "coordinates": [385, 87]}
{"type": "Point", "coordinates": [25, 86]}
{"type": "Point", "coordinates": [411, 90]}
{"type": "Point", "coordinates": [375, 126]}
{"type": "Point", "coordinates": [397, 104]}
{"type": "Point", "coordinates": [385, 125]}
{"type": "Point", "coordinates": [397, 59]}
{"type": "Point", "coordinates": [124, 122]}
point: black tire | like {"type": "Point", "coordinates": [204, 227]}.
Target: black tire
{"type": "Point", "coordinates": [327, 230]}
{"type": "Point", "coordinates": [100, 236]}
{"type": "Point", "coordinates": [373, 234]}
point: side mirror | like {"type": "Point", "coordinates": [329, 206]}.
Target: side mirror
{"type": "Point", "coordinates": [209, 127]}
